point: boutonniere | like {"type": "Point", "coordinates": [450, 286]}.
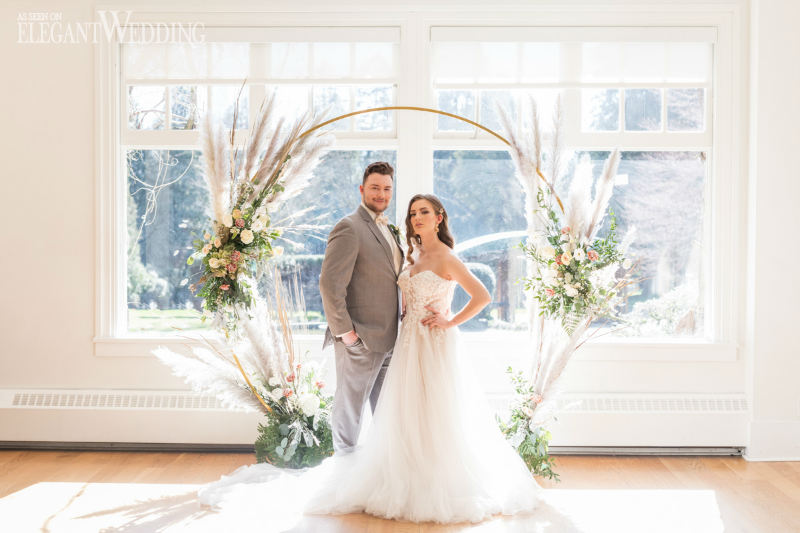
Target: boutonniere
{"type": "Point", "coordinates": [396, 232]}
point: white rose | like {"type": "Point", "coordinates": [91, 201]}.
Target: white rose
{"type": "Point", "coordinates": [227, 219]}
{"type": "Point", "coordinates": [309, 404]}
{"type": "Point", "coordinates": [579, 254]}
{"type": "Point", "coordinates": [627, 264]}
{"type": "Point", "coordinates": [206, 249]}
{"type": "Point", "coordinates": [213, 262]}
{"type": "Point", "coordinates": [571, 291]}
{"type": "Point", "coordinates": [567, 277]}
{"type": "Point", "coordinates": [246, 236]}
{"type": "Point", "coordinates": [274, 381]}
{"type": "Point", "coordinates": [257, 225]}
{"type": "Point", "coordinates": [276, 394]}
{"type": "Point", "coordinates": [548, 252]}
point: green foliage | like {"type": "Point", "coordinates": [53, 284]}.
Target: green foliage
{"type": "Point", "coordinates": [531, 443]}
{"type": "Point", "coordinates": [277, 446]}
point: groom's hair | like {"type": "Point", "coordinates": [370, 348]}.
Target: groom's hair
{"type": "Point", "coordinates": [380, 167]}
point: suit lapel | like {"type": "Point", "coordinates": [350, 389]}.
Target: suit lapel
{"type": "Point", "coordinates": [373, 227]}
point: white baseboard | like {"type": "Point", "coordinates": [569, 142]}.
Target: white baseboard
{"type": "Point", "coordinates": [140, 416]}
{"type": "Point", "coordinates": [774, 440]}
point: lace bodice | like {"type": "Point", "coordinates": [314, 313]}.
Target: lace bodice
{"type": "Point", "coordinates": [425, 288]}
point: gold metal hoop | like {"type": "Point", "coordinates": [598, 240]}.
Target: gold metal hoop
{"type": "Point", "coordinates": [438, 112]}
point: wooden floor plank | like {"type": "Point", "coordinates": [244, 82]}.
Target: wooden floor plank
{"type": "Point", "coordinates": [752, 497]}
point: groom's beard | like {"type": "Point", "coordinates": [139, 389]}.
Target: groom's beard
{"type": "Point", "coordinates": [377, 210]}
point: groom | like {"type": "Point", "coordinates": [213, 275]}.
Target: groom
{"type": "Point", "coordinates": [358, 285]}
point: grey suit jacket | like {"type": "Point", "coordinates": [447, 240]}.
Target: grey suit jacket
{"type": "Point", "coordinates": [358, 283]}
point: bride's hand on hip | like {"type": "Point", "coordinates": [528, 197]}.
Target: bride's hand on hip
{"type": "Point", "coordinates": [436, 320]}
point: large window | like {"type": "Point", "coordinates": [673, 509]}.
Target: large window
{"type": "Point", "coordinates": [635, 91]}
{"type": "Point", "coordinates": [649, 91]}
{"type": "Point", "coordinates": [168, 88]}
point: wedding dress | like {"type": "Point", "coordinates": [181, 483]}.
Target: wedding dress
{"type": "Point", "coordinates": [433, 452]}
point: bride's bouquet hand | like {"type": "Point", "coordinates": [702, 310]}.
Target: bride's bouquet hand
{"type": "Point", "coordinates": [436, 320]}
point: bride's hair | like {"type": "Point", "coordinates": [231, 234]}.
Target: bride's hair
{"type": "Point", "coordinates": [444, 231]}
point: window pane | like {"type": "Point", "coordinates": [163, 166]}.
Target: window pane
{"type": "Point", "coordinates": [643, 62]}
{"type": "Point", "coordinates": [643, 109]}
{"type": "Point", "coordinates": [490, 101]}
{"type": "Point", "coordinates": [487, 227]}
{"type": "Point", "coordinates": [167, 210]}
{"type": "Point", "coordinates": [374, 60]}
{"type": "Point", "coordinates": [332, 194]}
{"type": "Point", "coordinates": [458, 102]}
{"type": "Point", "coordinates": [223, 103]}
{"type": "Point", "coordinates": [540, 62]}
{"type": "Point", "coordinates": [289, 60]}
{"type": "Point", "coordinates": [601, 62]}
{"type": "Point", "coordinates": [499, 62]}
{"type": "Point", "coordinates": [374, 96]}
{"type": "Point", "coordinates": [331, 60]}
{"type": "Point", "coordinates": [661, 195]}
{"type": "Point", "coordinates": [685, 109]}
{"type": "Point", "coordinates": [146, 107]}
{"type": "Point", "coordinates": [336, 100]}
{"type": "Point", "coordinates": [689, 62]}
{"type": "Point", "coordinates": [600, 109]}
{"type": "Point", "coordinates": [184, 101]}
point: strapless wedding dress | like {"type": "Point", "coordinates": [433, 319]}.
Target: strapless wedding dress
{"type": "Point", "coordinates": [433, 452]}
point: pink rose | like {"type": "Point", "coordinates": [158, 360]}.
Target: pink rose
{"type": "Point", "coordinates": [536, 398]}
{"type": "Point", "coordinates": [550, 292]}
{"type": "Point", "coordinates": [320, 384]}
{"type": "Point", "coordinates": [231, 267]}
{"type": "Point", "coordinates": [290, 378]}
{"type": "Point", "coordinates": [592, 255]}
{"type": "Point", "coordinates": [287, 393]}
{"type": "Point", "coordinates": [225, 287]}
{"type": "Point", "coordinates": [235, 255]}
{"type": "Point", "coordinates": [565, 230]}
{"type": "Point", "coordinates": [239, 222]}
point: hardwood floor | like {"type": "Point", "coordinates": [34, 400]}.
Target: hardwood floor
{"type": "Point", "coordinates": [749, 496]}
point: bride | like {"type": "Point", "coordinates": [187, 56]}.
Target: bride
{"type": "Point", "coordinates": [433, 451]}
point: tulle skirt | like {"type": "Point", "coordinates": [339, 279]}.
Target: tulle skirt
{"type": "Point", "coordinates": [433, 452]}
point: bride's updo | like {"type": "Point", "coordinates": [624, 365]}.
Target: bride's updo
{"type": "Point", "coordinates": [444, 231]}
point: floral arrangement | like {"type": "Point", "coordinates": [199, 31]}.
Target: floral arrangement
{"type": "Point", "coordinates": [256, 366]}
{"type": "Point", "coordinates": [247, 187]}
{"type": "Point", "coordinates": [574, 276]}
{"type": "Point", "coordinates": [529, 439]}
{"type": "Point", "coordinates": [298, 432]}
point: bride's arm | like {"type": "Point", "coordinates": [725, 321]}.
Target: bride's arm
{"type": "Point", "coordinates": [479, 296]}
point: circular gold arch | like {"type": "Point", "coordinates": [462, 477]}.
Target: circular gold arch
{"type": "Point", "coordinates": [438, 112]}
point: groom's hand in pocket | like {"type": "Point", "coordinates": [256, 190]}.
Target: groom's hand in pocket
{"type": "Point", "coordinates": [350, 338]}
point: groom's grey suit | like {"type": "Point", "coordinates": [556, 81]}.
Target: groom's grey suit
{"type": "Point", "coordinates": [358, 285]}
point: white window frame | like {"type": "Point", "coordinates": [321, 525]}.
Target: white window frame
{"type": "Point", "coordinates": [415, 144]}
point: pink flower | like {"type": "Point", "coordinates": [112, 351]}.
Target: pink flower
{"type": "Point", "coordinates": [550, 292]}
{"type": "Point", "coordinates": [558, 259]}
{"type": "Point", "coordinates": [287, 393]}
{"type": "Point", "coordinates": [592, 255]}
{"type": "Point", "coordinates": [320, 384]}
{"type": "Point", "coordinates": [236, 255]}
{"type": "Point", "coordinates": [231, 267]}
{"type": "Point", "coordinates": [239, 222]}
{"type": "Point", "coordinates": [536, 398]}
{"type": "Point", "coordinates": [290, 378]}
{"type": "Point", "coordinates": [225, 287]}
{"type": "Point", "coordinates": [565, 230]}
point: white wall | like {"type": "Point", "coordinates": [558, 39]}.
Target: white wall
{"type": "Point", "coordinates": [48, 215]}
{"type": "Point", "coordinates": [774, 289]}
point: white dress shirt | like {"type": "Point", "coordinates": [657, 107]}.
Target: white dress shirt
{"type": "Point", "coordinates": [387, 233]}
